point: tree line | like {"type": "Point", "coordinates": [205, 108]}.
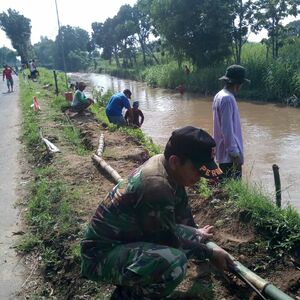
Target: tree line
{"type": "Point", "coordinates": [206, 34]}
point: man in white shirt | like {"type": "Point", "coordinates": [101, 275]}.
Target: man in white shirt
{"type": "Point", "coordinates": [227, 130]}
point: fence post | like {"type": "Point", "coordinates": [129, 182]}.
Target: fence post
{"type": "Point", "coordinates": [277, 184]}
{"type": "Point", "coordinates": [55, 81]}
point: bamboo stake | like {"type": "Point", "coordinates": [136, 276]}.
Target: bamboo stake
{"type": "Point", "coordinates": [101, 145]}
{"type": "Point", "coordinates": [277, 185]}
{"type": "Point", "coordinates": [104, 165]}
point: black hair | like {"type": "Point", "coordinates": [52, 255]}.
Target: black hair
{"type": "Point", "coordinates": [169, 150]}
{"type": "Point", "coordinates": [127, 92]}
{"type": "Point", "coordinates": [231, 84]}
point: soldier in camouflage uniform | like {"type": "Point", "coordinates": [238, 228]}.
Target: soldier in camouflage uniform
{"type": "Point", "coordinates": [143, 233]}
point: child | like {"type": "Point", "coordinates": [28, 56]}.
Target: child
{"type": "Point", "coordinates": [137, 113]}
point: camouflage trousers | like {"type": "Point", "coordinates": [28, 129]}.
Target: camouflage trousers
{"type": "Point", "coordinates": [152, 271]}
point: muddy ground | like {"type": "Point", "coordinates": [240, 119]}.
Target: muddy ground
{"type": "Point", "coordinates": [233, 233]}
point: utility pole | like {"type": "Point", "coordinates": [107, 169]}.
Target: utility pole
{"type": "Point", "coordinates": [61, 44]}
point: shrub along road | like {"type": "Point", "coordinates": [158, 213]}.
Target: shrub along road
{"type": "Point", "coordinates": [11, 269]}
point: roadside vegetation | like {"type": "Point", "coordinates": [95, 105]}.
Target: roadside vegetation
{"type": "Point", "coordinates": [66, 187]}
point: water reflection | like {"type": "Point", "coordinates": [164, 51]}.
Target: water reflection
{"type": "Point", "coordinates": [271, 132]}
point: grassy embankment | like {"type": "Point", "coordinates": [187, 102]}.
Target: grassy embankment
{"type": "Point", "coordinates": [55, 205]}
{"type": "Point", "coordinates": [271, 80]}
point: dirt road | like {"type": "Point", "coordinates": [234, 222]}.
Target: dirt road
{"type": "Point", "coordinates": [11, 269]}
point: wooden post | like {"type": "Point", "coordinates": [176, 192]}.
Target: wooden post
{"type": "Point", "coordinates": [277, 184]}
{"type": "Point", "coordinates": [55, 81]}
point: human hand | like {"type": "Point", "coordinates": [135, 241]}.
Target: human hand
{"type": "Point", "coordinates": [222, 260]}
{"type": "Point", "coordinates": [206, 232]}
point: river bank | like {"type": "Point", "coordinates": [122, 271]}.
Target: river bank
{"type": "Point", "coordinates": [68, 186]}
{"type": "Point", "coordinates": [269, 130]}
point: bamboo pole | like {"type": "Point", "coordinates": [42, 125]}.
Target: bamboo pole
{"type": "Point", "coordinates": [104, 165]}
{"type": "Point", "coordinates": [277, 185]}
{"type": "Point", "coordinates": [101, 145]}
{"type": "Point", "coordinates": [266, 288]}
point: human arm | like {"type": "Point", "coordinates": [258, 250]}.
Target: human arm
{"type": "Point", "coordinates": [126, 117]}
{"type": "Point", "coordinates": [126, 104]}
{"type": "Point", "coordinates": [221, 259]}
{"type": "Point", "coordinates": [142, 117]}
{"type": "Point", "coordinates": [184, 216]}
{"type": "Point", "coordinates": [156, 215]}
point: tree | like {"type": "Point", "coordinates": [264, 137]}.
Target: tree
{"type": "Point", "coordinates": [73, 39]}
{"type": "Point", "coordinates": [44, 52]}
{"type": "Point", "coordinates": [104, 37]}
{"type": "Point", "coordinates": [269, 15]}
{"type": "Point", "coordinates": [18, 30]}
{"type": "Point", "coordinates": [141, 17]}
{"type": "Point", "coordinates": [8, 56]}
{"type": "Point", "coordinates": [293, 28]}
{"type": "Point", "coordinates": [125, 29]}
{"type": "Point", "coordinates": [199, 30]}
{"type": "Point", "coordinates": [243, 19]}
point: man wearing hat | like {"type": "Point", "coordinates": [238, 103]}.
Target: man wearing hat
{"type": "Point", "coordinates": [115, 107]}
{"type": "Point", "coordinates": [80, 101]}
{"type": "Point", "coordinates": [227, 126]}
{"type": "Point", "coordinates": [143, 233]}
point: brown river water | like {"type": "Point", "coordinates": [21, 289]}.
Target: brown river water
{"type": "Point", "coordinates": [271, 132]}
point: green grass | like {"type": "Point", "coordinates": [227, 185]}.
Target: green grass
{"type": "Point", "coordinates": [279, 226]}
{"type": "Point", "coordinates": [49, 213]}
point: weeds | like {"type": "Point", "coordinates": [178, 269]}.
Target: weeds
{"type": "Point", "coordinates": [280, 227]}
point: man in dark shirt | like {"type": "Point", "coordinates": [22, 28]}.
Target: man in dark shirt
{"type": "Point", "coordinates": [143, 233]}
{"type": "Point", "coordinates": [7, 73]}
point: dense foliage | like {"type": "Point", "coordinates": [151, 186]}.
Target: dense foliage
{"type": "Point", "coordinates": [18, 30]}
{"type": "Point", "coordinates": [154, 39]}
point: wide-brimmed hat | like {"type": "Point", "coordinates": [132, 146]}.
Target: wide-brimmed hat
{"type": "Point", "coordinates": [235, 74]}
{"type": "Point", "coordinates": [198, 146]}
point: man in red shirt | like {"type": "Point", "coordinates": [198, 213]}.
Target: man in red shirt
{"type": "Point", "coordinates": [7, 73]}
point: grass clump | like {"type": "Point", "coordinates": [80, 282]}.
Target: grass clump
{"type": "Point", "coordinates": [279, 226]}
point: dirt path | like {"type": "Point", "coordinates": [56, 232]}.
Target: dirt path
{"type": "Point", "coordinates": [11, 268]}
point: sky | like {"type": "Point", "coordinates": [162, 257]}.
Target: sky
{"type": "Point", "coordinates": [42, 14]}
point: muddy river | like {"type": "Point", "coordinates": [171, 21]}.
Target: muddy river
{"type": "Point", "coordinates": [271, 131]}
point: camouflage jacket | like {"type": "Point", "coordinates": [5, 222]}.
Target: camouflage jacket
{"type": "Point", "coordinates": [144, 208]}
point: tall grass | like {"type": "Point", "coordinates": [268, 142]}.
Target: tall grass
{"type": "Point", "coordinates": [273, 80]}
{"type": "Point", "coordinates": [280, 227]}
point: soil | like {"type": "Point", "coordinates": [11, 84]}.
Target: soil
{"type": "Point", "coordinates": [232, 232]}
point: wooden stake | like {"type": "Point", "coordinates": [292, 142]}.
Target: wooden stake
{"type": "Point", "coordinates": [277, 185]}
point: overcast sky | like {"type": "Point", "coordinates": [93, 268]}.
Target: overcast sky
{"type": "Point", "coordinates": [42, 14]}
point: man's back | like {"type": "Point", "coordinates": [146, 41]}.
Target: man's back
{"type": "Point", "coordinates": [227, 127]}
{"type": "Point", "coordinates": [116, 104]}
